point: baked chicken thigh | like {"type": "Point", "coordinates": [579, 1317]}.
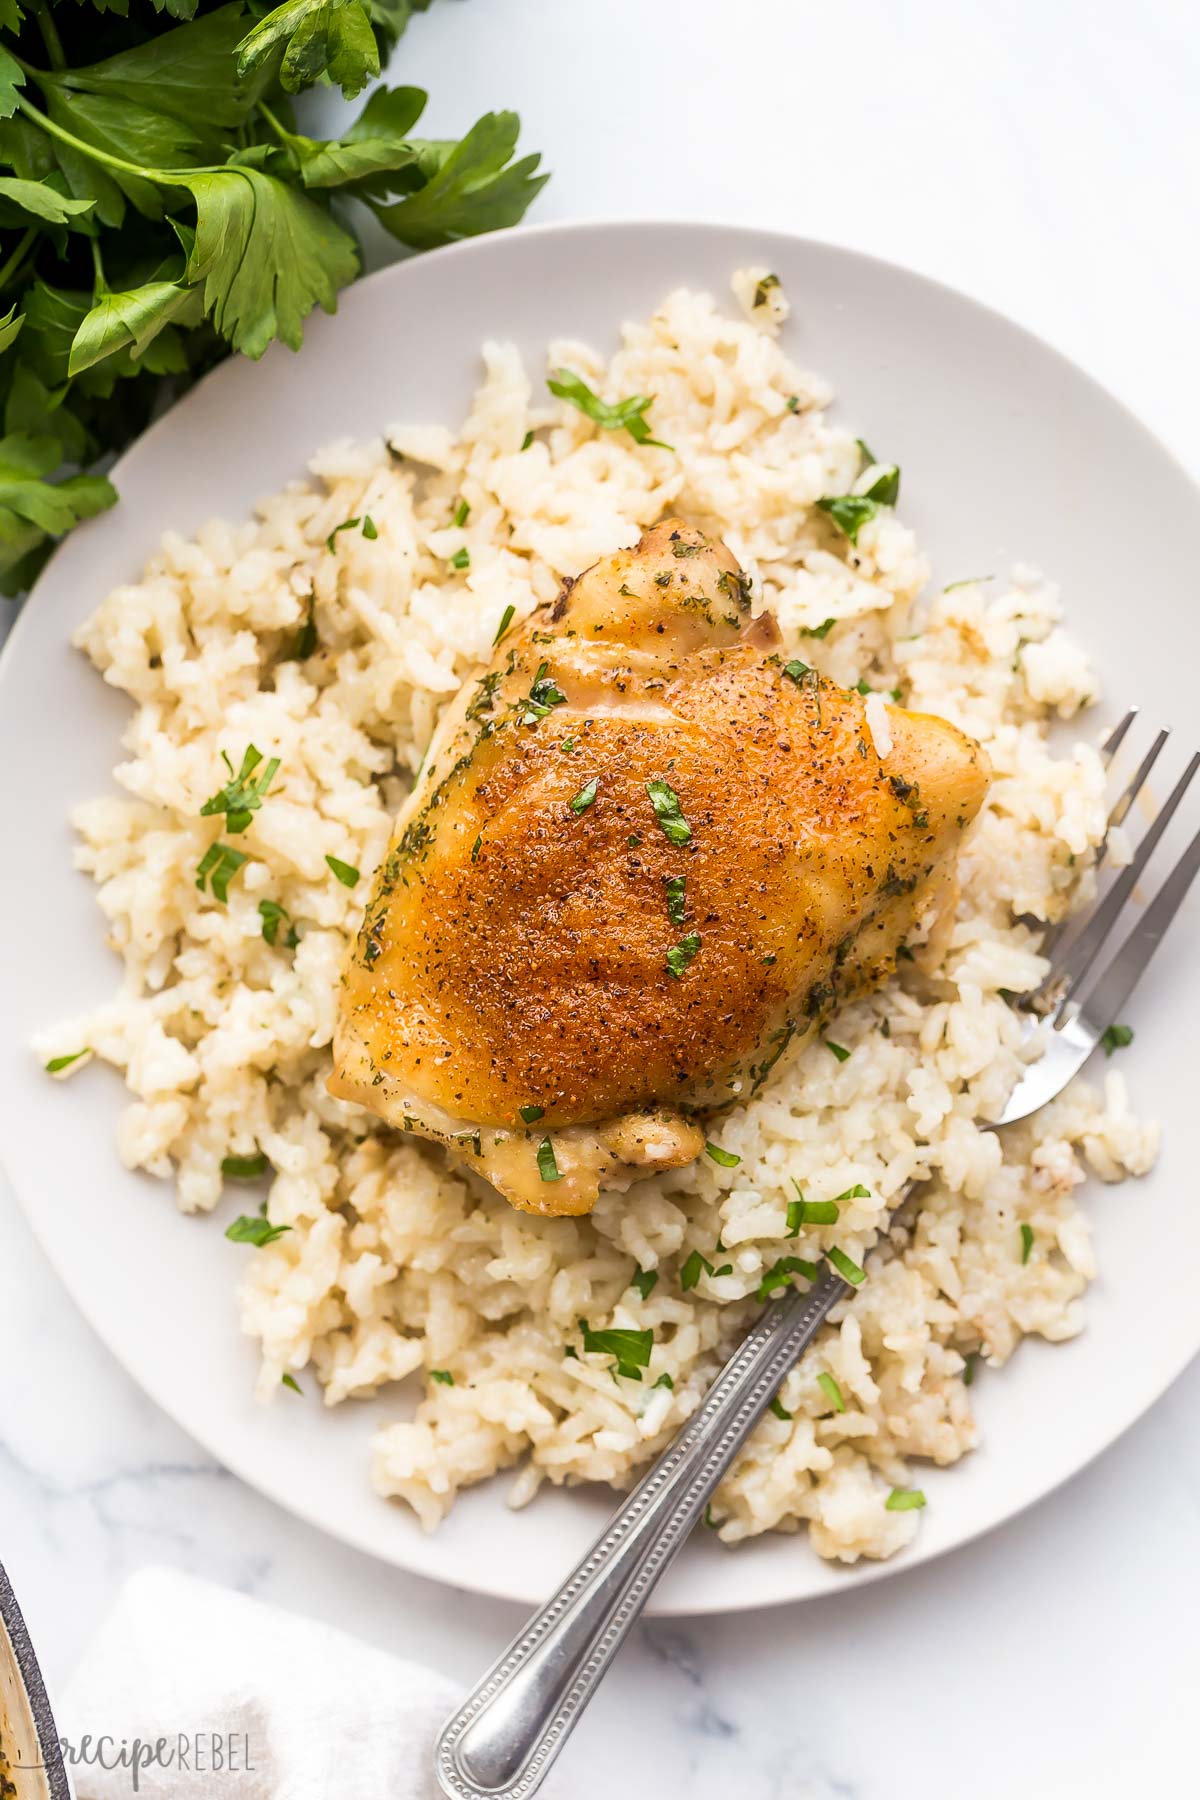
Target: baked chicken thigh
{"type": "Point", "coordinates": [646, 853]}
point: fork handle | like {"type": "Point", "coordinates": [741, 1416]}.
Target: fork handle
{"type": "Point", "coordinates": [502, 1741]}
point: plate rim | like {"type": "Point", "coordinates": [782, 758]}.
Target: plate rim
{"type": "Point", "coordinates": [865, 1571]}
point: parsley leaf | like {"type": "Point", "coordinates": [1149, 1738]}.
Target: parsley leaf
{"type": "Point", "coordinates": [506, 619]}
{"type": "Point", "coordinates": [779, 1275]}
{"type": "Point", "coordinates": [442, 1375]}
{"type": "Point", "coordinates": [676, 900]}
{"type": "Point", "coordinates": [272, 915]}
{"type": "Point", "coordinates": [832, 1391]}
{"type": "Point", "coordinates": [57, 1063]}
{"type": "Point", "coordinates": [472, 186]}
{"type": "Point", "coordinates": [682, 953]}
{"type": "Point", "coordinates": [645, 1281]}
{"type": "Point", "coordinates": [241, 797]}
{"type": "Point", "coordinates": [346, 873]}
{"type": "Point", "coordinates": [244, 1168]}
{"type": "Point", "coordinates": [904, 1500]}
{"type": "Point", "coordinates": [220, 863]}
{"type": "Point", "coordinates": [330, 38]}
{"type": "Point", "coordinates": [849, 512]}
{"type": "Point", "coordinates": [621, 415]}
{"type": "Point", "coordinates": [1117, 1037]}
{"type": "Point", "coordinates": [665, 802]}
{"type": "Point", "coordinates": [725, 1159]}
{"type": "Point", "coordinates": [543, 696]}
{"type": "Point", "coordinates": [257, 1231]}
{"type": "Point", "coordinates": [586, 795]}
{"type": "Point", "coordinates": [548, 1168]}
{"type": "Point", "coordinates": [631, 1348]}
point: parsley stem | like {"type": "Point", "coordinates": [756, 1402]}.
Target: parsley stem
{"type": "Point", "coordinates": [9, 267]}
{"type": "Point", "coordinates": [50, 37]}
{"type": "Point", "coordinates": [287, 138]}
{"type": "Point", "coordinates": [164, 177]}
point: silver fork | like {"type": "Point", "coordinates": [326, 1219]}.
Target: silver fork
{"type": "Point", "coordinates": [502, 1741]}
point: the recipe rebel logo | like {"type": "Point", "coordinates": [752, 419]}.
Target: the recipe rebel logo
{"type": "Point", "coordinates": [208, 1754]}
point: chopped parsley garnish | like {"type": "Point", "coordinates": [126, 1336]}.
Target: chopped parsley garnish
{"type": "Point", "coordinates": [667, 811]}
{"type": "Point", "coordinates": [462, 513]}
{"type": "Point", "coordinates": [544, 695]}
{"type": "Point", "coordinates": [346, 525]}
{"type": "Point", "coordinates": [584, 798]}
{"type": "Point", "coordinates": [779, 1409]}
{"type": "Point", "coordinates": [506, 619]}
{"type": "Point", "coordinates": [219, 864]}
{"type": "Point", "coordinates": [665, 1380]}
{"type": "Point", "coordinates": [346, 873]}
{"type": "Point", "coordinates": [846, 1267]}
{"type": "Point", "coordinates": [885, 489]}
{"type": "Point", "coordinates": [676, 902]}
{"type": "Point", "coordinates": [696, 1265]}
{"type": "Point", "coordinates": [241, 796]}
{"type": "Point", "coordinates": [763, 289]}
{"type": "Point", "coordinates": [527, 440]}
{"type": "Point", "coordinates": [904, 1500]}
{"type": "Point", "coordinates": [289, 1381]}
{"type": "Point", "coordinates": [857, 1192]}
{"type": "Point", "coordinates": [442, 1375]}
{"type": "Point", "coordinates": [633, 841]}
{"type": "Point", "coordinates": [476, 847]}
{"type": "Point", "coordinates": [627, 415]}
{"type": "Point", "coordinates": [631, 1348]}
{"type": "Point", "coordinates": [838, 1050]}
{"type": "Point", "coordinates": [793, 403]}
{"type": "Point", "coordinates": [849, 512]}
{"type": "Point", "coordinates": [797, 670]}
{"type": "Point", "coordinates": [725, 1159]}
{"type": "Point", "coordinates": [809, 1212]}
{"type": "Point", "coordinates": [305, 640]}
{"type": "Point", "coordinates": [1026, 1242]}
{"type": "Point", "coordinates": [819, 631]}
{"type": "Point", "coordinates": [969, 1368]}
{"type": "Point", "coordinates": [714, 1524]}
{"type": "Point", "coordinates": [244, 1168]}
{"type": "Point", "coordinates": [531, 1114]}
{"type": "Point", "coordinates": [1116, 1038]}
{"type": "Point", "coordinates": [780, 1273]}
{"type": "Point", "coordinates": [831, 1391]}
{"type": "Point", "coordinates": [257, 1231]}
{"type": "Point", "coordinates": [645, 1281]}
{"type": "Point", "coordinates": [272, 916]}
{"type": "Point", "coordinates": [568, 746]}
{"type": "Point", "coordinates": [967, 581]}
{"type": "Point", "coordinates": [461, 559]}
{"type": "Point", "coordinates": [863, 686]}
{"type": "Point", "coordinates": [548, 1169]}
{"type": "Point", "coordinates": [682, 953]}
{"type": "Point", "coordinates": [64, 1062]}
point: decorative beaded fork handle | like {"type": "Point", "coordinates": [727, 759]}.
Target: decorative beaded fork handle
{"type": "Point", "coordinates": [503, 1739]}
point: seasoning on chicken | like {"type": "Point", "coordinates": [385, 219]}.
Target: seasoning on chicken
{"type": "Point", "coordinates": [646, 855]}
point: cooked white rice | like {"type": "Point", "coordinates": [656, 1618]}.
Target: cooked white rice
{"type": "Point", "coordinates": [394, 1264]}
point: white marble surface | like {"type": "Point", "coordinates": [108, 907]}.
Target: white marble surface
{"type": "Point", "coordinates": [1042, 155]}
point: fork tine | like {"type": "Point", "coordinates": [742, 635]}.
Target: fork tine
{"type": "Point", "coordinates": [1133, 788]}
{"type": "Point", "coordinates": [1053, 936]}
{"type": "Point", "coordinates": [1117, 735]}
{"type": "Point", "coordinates": [1082, 951]}
{"type": "Point", "coordinates": [1127, 967]}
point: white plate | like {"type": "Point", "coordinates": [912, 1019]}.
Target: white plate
{"type": "Point", "coordinates": [1008, 451]}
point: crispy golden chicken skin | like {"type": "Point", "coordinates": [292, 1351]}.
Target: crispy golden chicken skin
{"type": "Point", "coordinates": [646, 854]}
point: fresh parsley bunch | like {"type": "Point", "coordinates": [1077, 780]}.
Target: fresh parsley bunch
{"type": "Point", "coordinates": [159, 206]}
